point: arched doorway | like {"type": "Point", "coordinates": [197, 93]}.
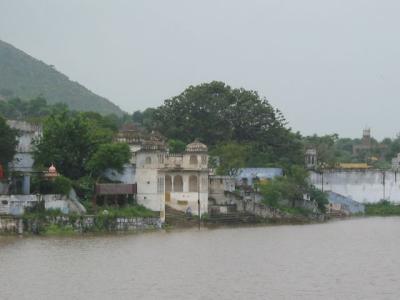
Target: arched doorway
{"type": "Point", "coordinates": [168, 188]}
{"type": "Point", "coordinates": [178, 183]}
{"type": "Point", "coordinates": [193, 183]}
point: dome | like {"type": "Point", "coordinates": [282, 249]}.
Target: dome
{"type": "Point", "coordinates": [196, 146]}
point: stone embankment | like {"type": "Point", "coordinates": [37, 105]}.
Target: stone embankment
{"type": "Point", "coordinates": [11, 224]}
{"type": "Point", "coordinates": [247, 206]}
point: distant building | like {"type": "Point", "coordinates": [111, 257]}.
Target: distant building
{"type": "Point", "coordinates": [177, 180]}
{"type": "Point", "coordinates": [339, 204]}
{"type": "Point", "coordinates": [353, 166]}
{"type": "Point", "coordinates": [249, 176]}
{"type": "Point", "coordinates": [22, 163]}
{"type": "Point", "coordinates": [396, 163]}
{"type": "Point", "coordinates": [218, 186]}
{"type": "Point", "coordinates": [311, 158]}
{"type": "Point", "coordinates": [366, 142]}
{"type": "Point", "coordinates": [368, 146]}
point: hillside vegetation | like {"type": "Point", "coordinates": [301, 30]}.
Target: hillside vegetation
{"type": "Point", "coordinates": [26, 77]}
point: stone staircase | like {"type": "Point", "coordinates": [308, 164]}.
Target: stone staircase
{"type": "Point", "coordinates": [178, 218]}
{"type": "Point", "coordinates": [232, 218]}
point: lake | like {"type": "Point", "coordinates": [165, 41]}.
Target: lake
{"type": "Point", "coordinates": [350, 259]}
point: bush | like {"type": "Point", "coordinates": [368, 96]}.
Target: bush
{"type": "Point", "coordinates": [382, 208]}
{"type": "Point", "coordinates": [62, 185]}
{"type": "Point", "coordinates": [128, 212]}
{"type": "Point", "coordinates": [320, 197]}
{"type": "Point", "coordinates": [84, 188]}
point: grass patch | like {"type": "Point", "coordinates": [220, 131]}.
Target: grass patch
{"type": "Point", "coordinates": [131, 211]}
{"type": "Point", "coordinates": [55, 229]}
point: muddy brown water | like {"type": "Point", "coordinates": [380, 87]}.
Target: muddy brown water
{"type": "Point", "coordinates": [350, 259]}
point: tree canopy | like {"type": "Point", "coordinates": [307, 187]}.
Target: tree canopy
{"type": "Point", "coordinates": [218, 114]}
{"type": "Point", "coordinates": [292, 187]}
{"type": "Point", "coordinates": [109, 156]}
{"type": "Point", "coordinates": [75, 142]}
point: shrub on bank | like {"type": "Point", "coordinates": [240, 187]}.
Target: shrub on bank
{"type": "Point", "coordinates": [382, 208]}
{"type": "Point", "coordinates": [54, 222]}
{"type": "Point", "coordinates": [131, 211]}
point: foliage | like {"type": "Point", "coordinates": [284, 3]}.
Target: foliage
{"type": "Point", "coordinates": [146, 118]}
{"type": "Point", "coordinates": [130, 211]}
{"type": "Point", "coordinates": [32, 110]}
{"type": "Point", "coordinates": [70, 140]}
{"type": "Point", "coordinates": [325, 148]}
{"type": "Point", "coordinates": [290, 188]}
{"type": "Point", "coordinates": [23, 76]}
{"type": "Point", "coordinates": [332, 150]}
{"type": "Point", "coordinates": [318, 196]}
{"type": "Point", "coordinates": [176, 146]}
{"type": "Point", "coordinates": [84, 188]}
{"type": "Point", "coordinates": [111, 155]}
{"type": "Point", "coordinates": [57, 229]}
{"type": "Point", "coordinates": [232, 157]}
{"type": "Point", "coordinates": [218, 114]}
{"type": "Point", "coordinates": [393, 147]}
{"type": "Point", "coordinates": [8, 143]}
{"type": "Point", "coordinates": [382, 208]}
{"type": "Point", "coordinates": [274, 191]}
{"type": "Point", "coordinates": [105, 218]}
{"type": "Point", "coordinates": [60, 185]}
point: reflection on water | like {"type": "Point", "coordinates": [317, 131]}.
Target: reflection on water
{"type": "Point", "coordinates": [353, 259]}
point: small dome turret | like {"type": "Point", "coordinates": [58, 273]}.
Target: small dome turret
{"type": "Point", "coordinates": [196, 146]}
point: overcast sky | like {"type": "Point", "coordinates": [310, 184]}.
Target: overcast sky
{"type": "Point", "coordinates": [330, 66]}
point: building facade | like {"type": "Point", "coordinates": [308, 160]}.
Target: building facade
{"type": "Point", "coordinates": [22, 164]}
{"type": "Point", "coordinates": [179, 181]}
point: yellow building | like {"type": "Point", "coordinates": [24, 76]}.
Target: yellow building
{"type": "Point", "coordinates": [347, 166]}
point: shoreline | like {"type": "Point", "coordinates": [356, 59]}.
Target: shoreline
{"type": "Point", "coordinates": [67, 232]}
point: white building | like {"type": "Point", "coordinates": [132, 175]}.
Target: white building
{"type": "Point", "coordinates": [179, 181]}
{"type": "Point", "coordinates": [396, 163]}
{"type": "Point", "coordinates": [311, 158]}
{"type": "Point", "coordinates": [23, 159]}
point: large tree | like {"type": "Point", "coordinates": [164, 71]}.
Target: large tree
{"type": "Point", "coordinates": [231, 157]}
{"type": "Point", "coordinates": [70, 141]}
{"type": "Point", "coordinates": [198, 112]}
{"type": "Point", "coordinates": [217, 113]}
{"type": "Point", "coordinates": [8, 143]}
{"type": "Point", "coordinates": [108, 156]}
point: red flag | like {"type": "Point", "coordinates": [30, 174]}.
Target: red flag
{"type": "Point", "coordinates": [1, 172]}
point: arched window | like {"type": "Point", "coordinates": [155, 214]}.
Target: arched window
{"type": "Point", "coordinates": [193, 184]}
{"type": "Point", "coordinates": [193, 159]}
{"type": "Point", "coordinates": [178, 183]}
{"type": "Point", "coordinates": [148, 160]}
{"type": "Point", "coordinates": [168, 183]}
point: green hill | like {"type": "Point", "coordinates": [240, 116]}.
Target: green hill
{"type": "Point", "coordinates": [26, 77]}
